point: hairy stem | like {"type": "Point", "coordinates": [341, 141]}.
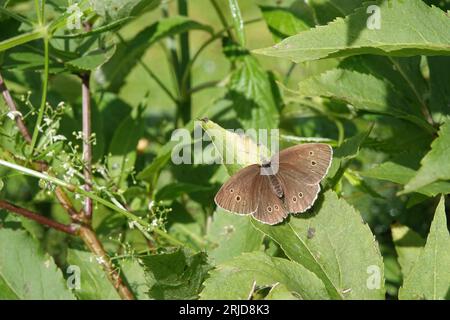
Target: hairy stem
{"type": "Point", "coordinates": [69, 229]}
{"type": "Point", "coordinates": [87, 145]}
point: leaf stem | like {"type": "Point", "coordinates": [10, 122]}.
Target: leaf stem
{"type": "Point", "coordinates": [44, 95]}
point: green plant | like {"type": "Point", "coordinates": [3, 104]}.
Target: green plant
{"type": "Point", "coordinates": [92, 207]}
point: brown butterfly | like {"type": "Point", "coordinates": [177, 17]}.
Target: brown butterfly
{"type": "Point", "coordinates": [293, 188]}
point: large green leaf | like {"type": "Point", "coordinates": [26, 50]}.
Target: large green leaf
{"type": "Point", "coordinates": [334, 242]}
{"type": "Point", "coordinates": [327, 10]}
{"type": "Point", "coordinates": [135, 276]}
{"type": "Point", "coordinates": [93, 281]}
{"type": "Point", "coordinates": [92, 59]}
{"type": "Point", "coordinates": [408, 28]}
{"type": "Point", "coordinates": [128, 53]}
{"type": "Point", "coordinates": [28, 273]}
{"type": "Point", "coordinates": [439, 87]}
{"type": "Point", "coordinates": [429, 277]}
{"type": "Point", "coordinates": [252, 91]}
{"type": "Point", "coordinates": [236, 279]}
{"type": "Point", "coordinates": [113, 10]}
{"type": "Point", "coordinates": [434, 166]}
{"type": "Point", "coordinates": [373, 84]}
{"type": "Point", "coordinates": [175, 276]}
{"type": "Point", "coordinates": [230, 235]}
{"type": "Point", "coordinates": [235, 150]}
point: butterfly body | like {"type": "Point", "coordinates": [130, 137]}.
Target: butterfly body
{"type": "Point", "coordinates": [288, 183]}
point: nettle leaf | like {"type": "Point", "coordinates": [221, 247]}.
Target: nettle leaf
{"type": "Point", "coordinates": [408, 28]}
{"type": "Point", "coordinates": [408, 245]}
{"type": "Point", "coordinates": [433, 168]}
{"type": "Point", "coordinates": [123, 149]}
{"type": "Point", "coordinates": [284, 22]}
{"type": "Point", "coordinates": [175, 276]}
{"type": "Point", "coordinates": [254, 96]}
{"type": "Point", "coordinates": [114, 73]}
{"type": "Point", "coordinates": [92, 59]}
{"type": "Point", "coordinates": [235, 150]}
{"type": "Point", "coordinates": [26, 272]}
{"type": "Point", "coordinates": [236, 279]}
{"type": "Point", "coordinates": [429, 277]}
{"type": "Point", "coordinates": [93, 281]}
{"type": "Point", "coordinates": [231, 235]}
{"type": "Point", "coordinates": [334, 242]}
{"type": "Point", "coordinates": [370, 84]}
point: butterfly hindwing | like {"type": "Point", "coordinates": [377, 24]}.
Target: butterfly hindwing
{"type": "Point", "coordinates": [271, 209]}
{"type": "Point", "coordinates": [237, 194]}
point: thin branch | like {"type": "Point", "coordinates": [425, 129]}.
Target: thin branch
{"type": "Point", "coordinates": [87, 145]}
{"type": "Point", "coordinates": [12, 106]}
{"type": "Point", "coordinates": [95, 246]}
{"type": "Point", "coordinates": [69, 229]}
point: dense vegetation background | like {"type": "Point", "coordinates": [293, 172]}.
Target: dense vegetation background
{"type": "Point", "coordinates": [92, 207]}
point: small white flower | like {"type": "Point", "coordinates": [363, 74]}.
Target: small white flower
{"type": "Point", "coordinates": [131, 224]}
{"type": "Point", "coordinates": [100, 260]}
{"type": "Point", "coordinates": [151, 205]}
{"type": "Point", "coordinates": [13, 115]}
{"type": "Point", "coordinates": [155, 223]}
{"type": "Point", "coordinates": [59, 137]}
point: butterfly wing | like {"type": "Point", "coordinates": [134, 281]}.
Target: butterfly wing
{"type": "Point", "coordinates": [298, 195]}
{"type": "Point", "coordinates": [238, 195]}
{"type": "Point", "coordinates": [308, 163]}
{"type": "Point", "coordinates": [271, 209]}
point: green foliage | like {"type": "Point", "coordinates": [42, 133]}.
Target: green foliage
{"type": "Point", "coordinates": [317, 70]}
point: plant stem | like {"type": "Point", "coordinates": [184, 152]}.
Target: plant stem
{"type": "Point", "coordinates": [95, 246]}
{"type": "Point", "coordinates": [44, 96]}
{"type": "Point", "coordinates": [69, 229]}
{"type": "Point", "coordinates": [87, 146]}
{"type": "Point", "coordinates": [12, 106]}
{"type": "Point", "coordinates": [222, 19]}
{"type": "Point", "coordinates": [184, 83]}
{"type": "Point", "coordinates": [93, 196]}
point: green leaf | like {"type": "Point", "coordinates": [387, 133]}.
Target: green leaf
{"type": "Point", "coordinates": [231, 235]}
{"type": "Point", "coordinates": [175, 276]}
{"type": "Point", "coordinates": [408, 28]}
{"type": "Point", "coordinates": [113, 10]}
{"type": "Point", "coordinates": [334, 242]}
{"type": "Point", "coordinates": [135, 276]}
{"type": "Point", "coordinates": [94, 283]}
{"type": "Point", "coordinates": [370, 84]}
{"type": "Point", "coordinates": [92, 59]}
{"type": "Point", "coordinates": [27, 273]}
{"type": "Point", "coordinates": [123, 149]}
{"type": "Point", "coordinates": [429, 277]}
{"type": "Point", "coordinates": [235, 150]}
{"type": "Point", "coordinates": [439, 87]}
{"type": "Point", "coordinates": [235, 279]}
{"type": "Point", "coordinates": [238, 22]}
{"type": "Point", "coordinates": [251, 90]}
{"type": "Point", "coordinates": [408, 245]}
{"type": "Point", "coordinates": [433, 164]}
{"type": "Point", "coordinates": [128, 53]}
{"type": "Point", "coordinates": [283, 22]}
{"type": "Point", "coordinates": [327, 10]}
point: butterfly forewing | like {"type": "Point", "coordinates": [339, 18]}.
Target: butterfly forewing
{"type": "Point", "coordinates": [238, 194]}
{"type": "Point", "coordinates": [309, 161]}
{"type": "Point", "coordinates": [271, 209]}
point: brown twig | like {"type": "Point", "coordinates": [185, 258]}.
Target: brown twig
{"type": "Point", "coordinates": [70, 229]}
{"type": "Point", "coordinates": [87, 146]}
{"type": "Point", "coordinates": [12, 106]}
